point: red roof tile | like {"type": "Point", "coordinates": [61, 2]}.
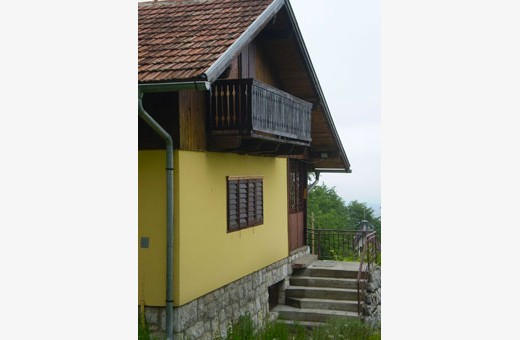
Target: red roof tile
{"type": "Point", "coordinates": [181, 39]}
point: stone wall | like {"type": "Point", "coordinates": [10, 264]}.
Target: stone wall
{"type": "Point", "coordinates": [210, 315]}
{"type": "Point", "coordinates": [372, 306]}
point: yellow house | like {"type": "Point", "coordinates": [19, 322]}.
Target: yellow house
{"type": "Point", "coordinates": [231, 120]}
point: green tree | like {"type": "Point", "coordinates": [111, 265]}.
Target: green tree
{"type": "Point", "coordinates": [360, 211]}
{"type": "Point", "coordinates": [329, 210]}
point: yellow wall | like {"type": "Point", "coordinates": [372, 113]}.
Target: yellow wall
{"type": "Point", "coordinates": [152, 224]}
{"type": "Point", "coordinates": [206, 257]}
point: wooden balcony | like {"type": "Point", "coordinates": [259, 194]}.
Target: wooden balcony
{"type": "Point", "coordinates": [248, 114]}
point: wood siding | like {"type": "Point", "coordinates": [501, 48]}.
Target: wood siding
{"type": "Point", "coordinates": [264, 70]}
{"type": "Point", "coordinates": [247, 61]}
{"type": "Point", "coordinates": [192, 120]}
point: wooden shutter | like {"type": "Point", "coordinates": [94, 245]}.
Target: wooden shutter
{"type": "Point", "coordinates": [245, 202]}
{"type": "Point", "coordinates": [251, 208]}
{"type": "Point", "coordinates": [242, 203]}
{"type": "Point", "coordinates": [232, 205]}
{"type": "Point", "coordinates": [259, 201]}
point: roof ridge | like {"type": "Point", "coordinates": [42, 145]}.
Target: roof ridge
{"type": "Point", "coordinates": [187, 2]}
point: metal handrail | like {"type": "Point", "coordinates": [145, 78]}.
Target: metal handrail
{"type": "Point", "coordinates": [371, 250]}
{"type": "Point", "coordinates": [336, 244]}
{"type": "Point", "coordinates": [354, 245]}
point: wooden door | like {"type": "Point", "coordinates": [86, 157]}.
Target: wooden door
{"type": "Point", "coordinates": [297, 205]}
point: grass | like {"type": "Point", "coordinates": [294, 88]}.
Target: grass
{"type": "Point", "coordinates": [353, 257]}
{"type": "Point", "coordinates": [348, 329]}
{"type": "Point", "coordinates": [339, 328]}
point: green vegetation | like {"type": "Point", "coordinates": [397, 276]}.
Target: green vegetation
{"type": "Point", "coordinates": [348, 329]}
{"type": "Point", "coordinates": [143, 331]}
{"type": "Point", "coordinates": [326, 210]}
{"type": "Point", "coordinates": [331, 212]}
{"type": "Point", "coordinates": [352, 257]}
{"type": "Point", "coordinates": [244, 330]}
{"type": "Point", "coordinates": [340, 328]}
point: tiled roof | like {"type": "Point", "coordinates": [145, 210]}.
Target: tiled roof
{"type": "Point", "coordinates": [181, 39]}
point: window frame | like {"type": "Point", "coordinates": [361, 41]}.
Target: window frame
{"type": "Point", "coordinates": [254, 202]}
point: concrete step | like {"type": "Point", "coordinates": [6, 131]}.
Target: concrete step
{"type": "Point", "coordinates": [327, 304]}
{"type": "Point", "coordinates": [321, 293]}
{"type": "Point", "coordinates": [314, 315]}
{"type": "Point", "coordinates": [335, 269]}
{"type": "Point", "coordinates": [304, 261]}
{"type": "Point", "coordinates": [326, 272]}
{"type": "Point", "coordinates": [330, 282]}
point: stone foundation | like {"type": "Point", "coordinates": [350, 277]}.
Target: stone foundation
{"type": "Point", "coordinates": [210, 315]}
{"type": "Point", "coordinates": [372, 306]}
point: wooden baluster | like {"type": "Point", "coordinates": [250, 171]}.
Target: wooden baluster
{"type": "Point", "coordinates": [234, 107]}
{"type": "Point", "coordinates": [215, 94]}
{"type": "Point", "coordinates": [240, 109]}
{"type": "Point", "coordinates": [228, 107]}
{"type": "Point", "coordinates": [245, 114]}
{"type": "Point", "coordinates": [223, 113]}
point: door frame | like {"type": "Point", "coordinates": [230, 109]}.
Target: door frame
{"type": "Point", "coordinates": [300, 204]}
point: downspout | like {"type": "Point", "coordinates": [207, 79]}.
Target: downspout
{"type": "Point", "coordinates": [169, 213]}
{"type": "Point", "coordinates": [167, 87]}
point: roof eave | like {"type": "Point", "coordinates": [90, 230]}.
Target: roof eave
{"type": "Point", "coordinates": [174, 86]}
{"type": "Point", "coordinates": [316, 84]}
{"type": "Point", "coordinates": [216, 69]}
{"type": "Point", "coordinates": [333, 170]}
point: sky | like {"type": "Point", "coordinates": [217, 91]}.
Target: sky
{"type": "Point", "coordinates": [450, 72]}
{"type": "Point", "coordinates": [343, 41]}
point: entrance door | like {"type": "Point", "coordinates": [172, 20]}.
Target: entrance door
{"type": "Point", "coordinates": [297, 189]}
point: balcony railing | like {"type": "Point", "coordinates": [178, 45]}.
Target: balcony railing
{"type": "Point", "coordinates": [248, 107]}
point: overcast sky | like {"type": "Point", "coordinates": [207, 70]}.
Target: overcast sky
{"type": "Point", "coordinates": [343, 41]}
{"type": "Point", "coordinates": [450, 71]}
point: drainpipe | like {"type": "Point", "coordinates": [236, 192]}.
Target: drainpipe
{"type": "Point", "coordinates": [167, 87]}
{"type": "Point", "coordinates": [169, 213]}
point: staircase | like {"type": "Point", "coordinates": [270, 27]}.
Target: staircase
{"type": "Point", "coordinates": [322, 290]}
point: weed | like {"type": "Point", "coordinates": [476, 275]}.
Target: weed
{"type": "Point", "coordinates": [244, 329]}
{"type": "Point", "coordinates": [144, 332]}
{"type": "Point", "coordinates": [348, 329]}
{"type": "Point", "coordinates": [339, 328]}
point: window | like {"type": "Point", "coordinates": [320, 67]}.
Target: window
{"type": "Point", "coordinates": [245, 202]}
